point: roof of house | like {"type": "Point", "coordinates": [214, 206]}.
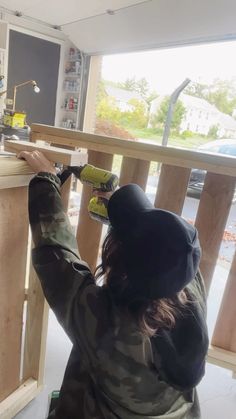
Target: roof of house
{"type": "Point", "coordinates": [122, 95]}
{"type": "Point", "coordinates": [198, 103]}
{"type": "Point", "coordinates": [227, 121]}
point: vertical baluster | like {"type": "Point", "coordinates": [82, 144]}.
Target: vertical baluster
{"type": "Point", "coordinates": [225, 332]}
{"type": "Point", "coordinates": [134, 171]}
{"type": "Point", "coordinates": [213, 211]}
{"type": "Point", "coordinates": [172, 187]}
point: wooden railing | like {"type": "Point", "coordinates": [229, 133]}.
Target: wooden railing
{"type": "Point", "coordinates": [176, 165]}
{"type": "Point", "coordinates": [211, 217]}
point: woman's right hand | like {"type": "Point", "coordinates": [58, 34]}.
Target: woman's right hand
{"type": "Point", "coordinates": [106, 195]}
{"type": "Point", "coordinates": [37, 161]}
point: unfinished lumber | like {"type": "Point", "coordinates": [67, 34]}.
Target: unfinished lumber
{"type": "Point", "coordinates": [172, 188]}
{"type": "Point", "coordinates": [14, 172]}
{"type": "Point", "coordinates": [213, 211]}
{"type": "Point", "coordinates": [134, 171]}
{"type": "Point", "coordinates": [19, 399]}
{"type": "Point", "coordinates": [54, 154]}
{"type": "Point", "coordinates": [137, 149]}
{"type": "Point", "coordinates": [89, 231]}
{"type": "Point", "coordinates": [11, 166]}
{"type": "Point", "coordinates": [222, 358]}
{"type": "Point", "coordinates": [13, 251]}
{"type": "Point", "coordinates": [224, 335]}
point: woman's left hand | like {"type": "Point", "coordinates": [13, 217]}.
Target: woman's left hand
{"type": "Point", "coordinates": [37, 161]}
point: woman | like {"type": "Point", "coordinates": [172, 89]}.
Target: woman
{"type": "Point", "coordinates": [140, 340]}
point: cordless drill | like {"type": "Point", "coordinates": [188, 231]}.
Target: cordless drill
{"type": "Point", "coordinates": [101, 180]}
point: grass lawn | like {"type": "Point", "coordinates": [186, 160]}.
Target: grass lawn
{"type": "Point", "coordinates": [151, 134]}
{"type": "Point", "coordinates": [175, 141]}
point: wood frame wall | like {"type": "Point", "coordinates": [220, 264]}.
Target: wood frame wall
{"type": "Point", "coordinates": [176, 166]}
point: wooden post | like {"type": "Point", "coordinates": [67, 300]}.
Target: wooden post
{"type": "Point", "coordinates": [225, 332]}
{"type": "Point", "coordinates": [92, 90]}
{"type": "Point", "coordinates": [172, 187]}
{"type": "Point", "coordinates": [213, 211]}
{"type": "Point", "coordinates": [134, 171]}
{"type": "Point", "coordinates": [13, 251]}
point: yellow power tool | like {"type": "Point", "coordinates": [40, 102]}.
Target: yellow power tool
{"type": "Point", "coordinates": [101, 180]}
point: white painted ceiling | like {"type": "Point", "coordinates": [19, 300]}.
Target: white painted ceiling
{"type": "Point", "coordinates": [61, 12]}
{"type": "Point", "coordinates": [134, 24]}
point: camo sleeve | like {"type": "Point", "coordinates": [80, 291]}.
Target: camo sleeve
{"type": "Point", "coordinates": [55, 256]}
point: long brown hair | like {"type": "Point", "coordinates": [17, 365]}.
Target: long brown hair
{"type": "Point", "coordinates": [150, 315]}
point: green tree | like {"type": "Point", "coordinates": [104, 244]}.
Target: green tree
{"type": "Point", "coordinates": [108, 110]}
{"type": "Point", "coordinates": [128, 84]}
{"type": "Point", "coordinates": [213, 131]}
{"type": "Point", "coordinates": [220, 93]}
{"type": "Point", "coordinates": [197, 89]}
{"type": "Point", "coordinates": [137, 117]}
{"type": "Point", "coordinates": [178, 114]}
{"type": "Point", "coordinates": [141, 87]}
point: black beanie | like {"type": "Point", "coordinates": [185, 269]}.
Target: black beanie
{"type": "Point", "coordinates": [162, 251]}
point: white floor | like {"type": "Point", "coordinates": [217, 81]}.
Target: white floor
{"type": "Point", "coordinates": [217, 391]}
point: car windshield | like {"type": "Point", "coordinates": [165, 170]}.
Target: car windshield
{"type": "Point", "coordinates": [229, 149]}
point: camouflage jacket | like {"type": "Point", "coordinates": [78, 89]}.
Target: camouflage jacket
{"type": "Point", "coordinates": [114, 372]}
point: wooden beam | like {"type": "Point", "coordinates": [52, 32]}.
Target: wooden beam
{"type": "Point", "coordinates": [172, 187]}
{"type": "Point", "coordinates": [94, 78]}
{"type": "Point", "coordinates": [11, 166]}
{"type": "Point", "coordinates": [13, 252]}
{"type": "Point", "coordinates": [224, 335]}
{"type": "Point", "coordinates": [19, 399]}
{"type": "Point", "coordinates": [134, 171]}
{"type": "Point", "coordinates": [222, 358]}
{"type": "Point", "coordinates": [7, 182]}
{"type": "Point", "coordinates": [137, 149]}
{"type": "Point", "coordinates": [54, 154]}
{"type": "Point", "coordinates": [213, 211]}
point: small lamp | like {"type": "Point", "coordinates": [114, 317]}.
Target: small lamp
{"type": "Point", "coordinates": [35, 87]}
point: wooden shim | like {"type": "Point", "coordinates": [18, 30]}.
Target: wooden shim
{"type": "Point", "coordinates": [13, 252]}
{"type": "Point", "coordinates": [213, 211]}
{"type": "Point", "coordinates": [19, 399]}
{"type": "Point", "coordinates": [172, 187]}
{"type": "Point", "coordinates": [89, 231]}
{"type": "Point", "coordinates": [134, 171]}
{"type": "Point", "coordinates": [222, 358]}
{"type": "Point", "coordinates": [137, 149]}
{"type": "Point", "coordinates": [224, 335]}
{"type": "Point", "coordinates": [54, 154]}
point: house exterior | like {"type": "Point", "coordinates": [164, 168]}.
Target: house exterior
{"type": "Point", "coordinates": [200, 116]}
{"type": "Point", "coordinates": [122, 97]}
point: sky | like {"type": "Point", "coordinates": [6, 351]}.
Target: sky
{"type": "Point", "coordinates": [165, 69]}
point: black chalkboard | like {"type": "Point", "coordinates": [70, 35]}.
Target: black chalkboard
{"type": "Point", "coordinates": [34, 58]}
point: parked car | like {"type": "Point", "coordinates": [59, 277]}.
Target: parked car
{"type": "Point", "coordinates": [197, 177]}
